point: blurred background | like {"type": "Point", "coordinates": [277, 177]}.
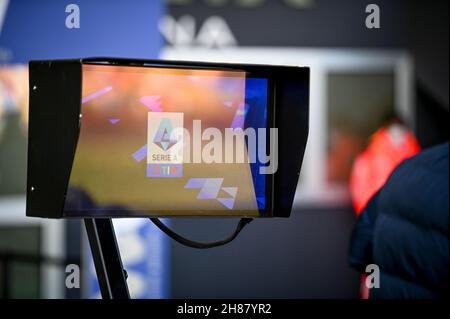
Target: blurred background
{"type": "Point", "coordinates": [361, 79]}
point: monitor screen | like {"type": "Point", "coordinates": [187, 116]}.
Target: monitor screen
{"type": "Point", "coordinates": [170, 141]}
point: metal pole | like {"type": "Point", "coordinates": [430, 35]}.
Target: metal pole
{"type": "Point", "coordinates": [5, 277]}
{"type": "Point", "coordinates": [105, 252]}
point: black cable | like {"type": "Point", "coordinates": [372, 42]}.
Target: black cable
{"type": "Point", "coordinates": [194, 244]}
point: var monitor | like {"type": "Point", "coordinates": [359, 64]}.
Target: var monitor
{"type": "Point", "coordinates": [145, 138]}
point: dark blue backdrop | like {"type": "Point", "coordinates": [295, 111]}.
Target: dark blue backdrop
{"type": "Point", "coordinates": [37, 30]}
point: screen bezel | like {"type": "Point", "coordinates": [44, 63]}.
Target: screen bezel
{"type": "Point", "coordinates": [55, 96]}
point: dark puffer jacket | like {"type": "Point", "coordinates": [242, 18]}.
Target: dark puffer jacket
{"type": "Point", "coordinates": [404, 229]}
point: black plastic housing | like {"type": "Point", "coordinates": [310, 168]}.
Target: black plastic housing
{"type": "Point", "coordinates": [54, 127]}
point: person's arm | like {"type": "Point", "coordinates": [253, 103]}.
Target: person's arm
{"type": "Point", "coordinates": [361, 242]}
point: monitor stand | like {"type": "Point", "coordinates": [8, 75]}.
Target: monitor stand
{"type": "Point", "coordinates": [108, 264]}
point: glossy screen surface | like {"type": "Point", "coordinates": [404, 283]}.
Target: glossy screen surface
{"type": "Point", "coordinates": [153, 142]}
